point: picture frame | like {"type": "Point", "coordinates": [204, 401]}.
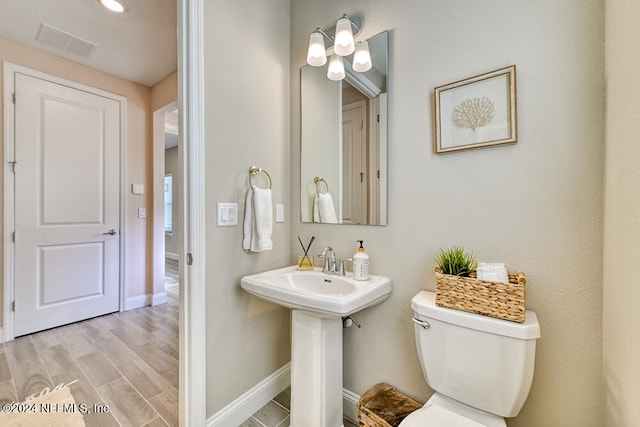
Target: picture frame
{"type": "Point", "coordinates": [476, 112]}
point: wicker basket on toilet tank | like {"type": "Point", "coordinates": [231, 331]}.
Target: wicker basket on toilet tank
{"type": "Point", "coordinates": [494, 299]}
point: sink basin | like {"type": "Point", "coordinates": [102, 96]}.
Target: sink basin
{"type": "Point", "coordinates": [317, 292]}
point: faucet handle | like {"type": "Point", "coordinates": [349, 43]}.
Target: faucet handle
{"type": "Point", "coordinates": [341, 271]}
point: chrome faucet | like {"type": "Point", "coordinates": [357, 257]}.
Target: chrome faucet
{"type": "Point", "coordinates": [329, 260]}
{"type": "Point", "coordinates": [330, 264]}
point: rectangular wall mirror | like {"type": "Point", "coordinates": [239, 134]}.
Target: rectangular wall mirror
{"type": "Point", "coordinates": [344, 142]}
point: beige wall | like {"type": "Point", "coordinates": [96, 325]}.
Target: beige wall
{"type": "Point", "coordinates": [621, 318]}
{"type": "Point", "coordinates": [536, 205]}
{"type": "Point", "coordinates": [138, 168]}
{"type": "Point", "coordinates": [165, 92]}
{"type": "Point", "coordinates": [246, 123]}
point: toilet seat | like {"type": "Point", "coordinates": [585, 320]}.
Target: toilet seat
{"type": "Point", "coordinates": [440, 411]}
{"type": "Point", "coordinates": [437, 416]}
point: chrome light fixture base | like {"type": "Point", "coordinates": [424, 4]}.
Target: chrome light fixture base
{"type": "Point", "coordinates": [341, 42]}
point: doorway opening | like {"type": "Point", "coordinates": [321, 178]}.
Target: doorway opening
{"type": "Point", "coordinates": [168, 225]}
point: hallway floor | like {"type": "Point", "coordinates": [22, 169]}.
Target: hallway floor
{"type": "Point", "coordinates": [125, 361]}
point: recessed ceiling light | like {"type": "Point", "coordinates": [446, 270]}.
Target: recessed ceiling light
{"type": "Point", "coordinates": [117, 6]}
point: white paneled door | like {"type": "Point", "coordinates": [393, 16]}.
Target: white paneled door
{"type": "Point", "coordinates": [354, 163]}
{"type": "Point", "coordinates": [67, 204]}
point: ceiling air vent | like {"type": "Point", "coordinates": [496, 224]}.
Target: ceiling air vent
{"type": "Point", "coordinates": [58, 39]}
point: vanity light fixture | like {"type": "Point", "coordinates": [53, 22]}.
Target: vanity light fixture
{"type": "Point", "coordinates": [362, 57]}
{"type": "Point", "coordinates": [317, 54]}
{"type": "Point", "coordinates": [117, 6]}
{"type": "Point", "coordinates": [344, 44]}
{"type": "Point", "coordinates": [335, 71]}
{"type": "Point", "coordinates": [341, 38]}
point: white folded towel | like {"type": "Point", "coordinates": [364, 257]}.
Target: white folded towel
{"type": "Point", "coordinates": [323, 209]}
{"type": "Point", "coordinates": [492, 272]}
{"type": "Point", "coordinates": [258, 220]}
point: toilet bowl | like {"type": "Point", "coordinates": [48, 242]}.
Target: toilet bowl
{"type": "Point", "coordinates": [480, 368]}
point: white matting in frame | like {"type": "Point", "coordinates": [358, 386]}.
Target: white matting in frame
{"type": "Point", "coordinates": [476, 112]}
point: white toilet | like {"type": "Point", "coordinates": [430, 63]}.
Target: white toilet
{"type": "Point", "coordinates": [481, 368]}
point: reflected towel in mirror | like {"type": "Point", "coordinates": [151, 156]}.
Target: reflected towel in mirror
{"type": "Point", "coordinates": [323, 209]}
{"type": "Point", "coordinates": [258, 220]}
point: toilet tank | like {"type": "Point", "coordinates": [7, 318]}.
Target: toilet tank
{"type": "Point", "coordinates": [481, 361]}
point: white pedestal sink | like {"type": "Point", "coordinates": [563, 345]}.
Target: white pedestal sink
{"type": "Point", "coordinates": [319, 301]}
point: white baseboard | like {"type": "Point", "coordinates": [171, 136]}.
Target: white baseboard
{"type": "Point", "coordinates": [140, 301]}
{"type": "Point", "coordinates": [246, 405]}
{"type": "Point", "coordinates": [159, 298]}
{"type": "Point", "coordinates": [350, 405]}
{"type": "Point", "coordinates": [132, 303]}
{"type": "Point", "coordinates": [171, 255]}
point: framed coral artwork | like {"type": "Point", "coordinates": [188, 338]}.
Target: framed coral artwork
{"type": "Point", "coordinates": [476, 112]}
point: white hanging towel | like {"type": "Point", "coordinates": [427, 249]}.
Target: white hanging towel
{"type": "Point", "coordinates": [323, 209]}
{"type": "Point", "coordinates": [258, 220]}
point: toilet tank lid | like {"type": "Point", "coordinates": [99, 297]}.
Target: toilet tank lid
{"type": "Point", "coordinates": [424, 303]}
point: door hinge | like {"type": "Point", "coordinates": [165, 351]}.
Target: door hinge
{"type": "Point", "coordinates": [14, 98]}
{"type": "Point", "coordinates": [361, 124]}
{"type": "Point", "coordinates": [189, 258]}
{"type": "Point", "coordinates": [13, 166]}
{"type": "Point", "coordinates": [378, 173]}
{"type": "Point", "coordinates": [13, 306]}
{"type": "Point", "coordinates": [378, 118]}
{"type": "Point", "coordinates": [13, 237]}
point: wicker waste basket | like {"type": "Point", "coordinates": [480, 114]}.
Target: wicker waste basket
{"type": "Point", "coordinates": [384, 406]}
{"type": "Point", "coordinates": [501, 300]}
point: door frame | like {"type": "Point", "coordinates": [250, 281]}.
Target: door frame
{"type": "Point", "coordinates": [193, 361]}
{"type": "Point", "coordinates": [9, 70]}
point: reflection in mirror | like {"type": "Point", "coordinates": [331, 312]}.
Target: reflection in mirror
{"type": "Point", "coordinates": [344, 142]}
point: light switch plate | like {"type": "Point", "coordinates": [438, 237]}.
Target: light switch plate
{"type": "Point", "coordinates": [142, 213]}
{"type": "Point", "coordinates": [227, 214]}
{"type": "Point", "coordinates": [279, 213]}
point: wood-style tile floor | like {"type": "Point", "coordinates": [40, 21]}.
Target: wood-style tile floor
{"type": "Point", "coordinates": [276, 413]}
{"type": "Point", "coordinates": [125, 361]}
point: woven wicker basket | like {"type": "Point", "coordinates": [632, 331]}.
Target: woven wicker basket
{"type": "Point", "coordinates": [495, 299]}
{"type": "Point", "coordinates": [384, 406]}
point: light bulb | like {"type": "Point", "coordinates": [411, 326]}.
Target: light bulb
{"type": "Point", "coordinates": [344, 44]}
{"type": "Point", "coordinates": [114, 5]}
{"type": "Point", "coordinates": [362, 57]}
{"type": "Point", "coordinates": [316, 55]}
{"type": "Point", "coordinates": [336, 68]}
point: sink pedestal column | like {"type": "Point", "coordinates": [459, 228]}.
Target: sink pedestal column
{"type": "Point", "coordinates": [316, 370]}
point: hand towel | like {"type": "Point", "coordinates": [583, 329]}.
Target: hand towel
{"type": "Point", "coordinates": [492, 272]}
{"type": "Point", "coordinates": [258, 220]}
{"type": "Point", "coordinates": [323, 209]}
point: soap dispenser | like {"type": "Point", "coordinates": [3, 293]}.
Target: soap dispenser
{"type": "Point", "coordinates": [360, 263]}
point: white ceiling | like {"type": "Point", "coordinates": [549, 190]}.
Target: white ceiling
{"type": "Point", "coordinates": [139, 46]}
